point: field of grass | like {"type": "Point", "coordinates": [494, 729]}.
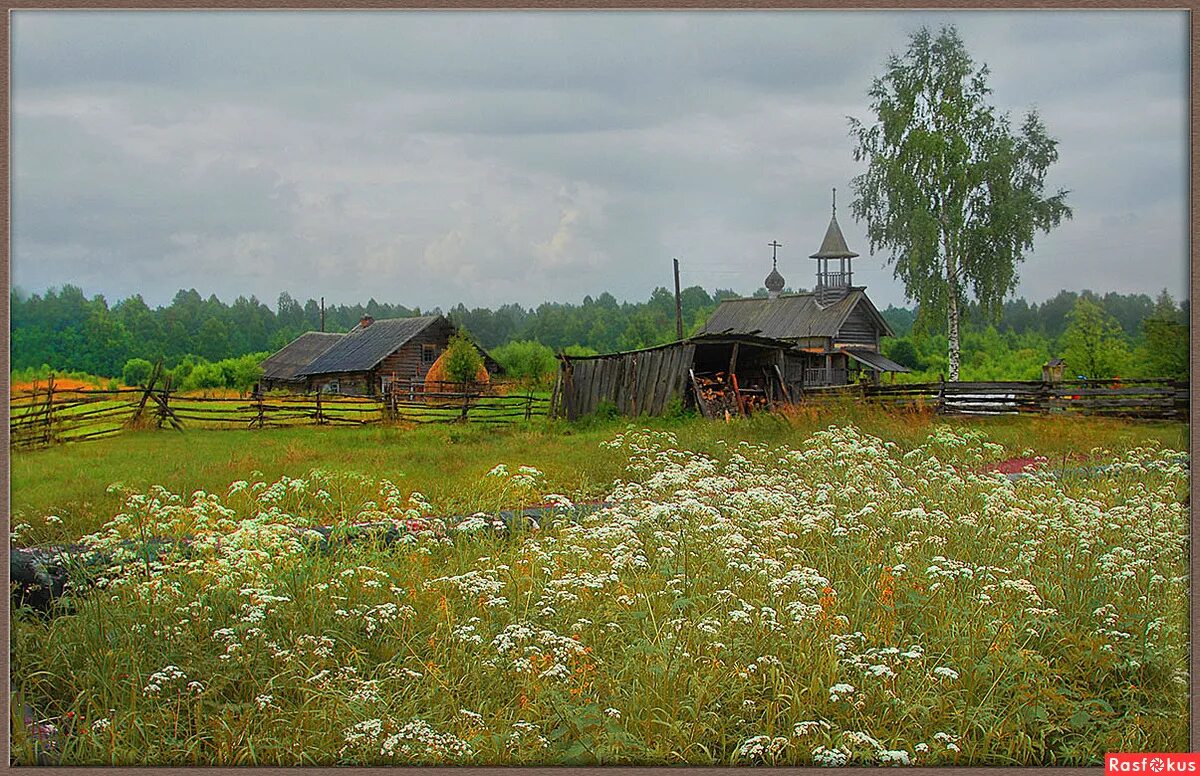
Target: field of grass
{"type": "Point", "coordinates": [845, 587]}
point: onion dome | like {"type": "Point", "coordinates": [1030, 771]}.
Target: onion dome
{"type": "Point", "coordinates": [774, 281]}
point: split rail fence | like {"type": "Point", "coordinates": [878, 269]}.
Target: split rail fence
{"type": "Point", "coordinates": [48, 414]}
{"type": "Point", "coordinates": [1148, 399]}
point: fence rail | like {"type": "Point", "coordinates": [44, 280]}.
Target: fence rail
{"type": "Point", "coordinates": [47, 415]}
{"type": "Point", "coordinates": [1147, 399]}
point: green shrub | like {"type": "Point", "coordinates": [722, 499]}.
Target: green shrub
{"type": "Point", "coordinates": [137, 372]}
{"type": "Point", "coordinates": [463, 361]}
{"type": "Point", "coordinates": [526, 360]}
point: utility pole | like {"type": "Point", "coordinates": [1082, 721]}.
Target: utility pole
{"type": "Point", "coordinates": [678, 304]}
{"type": "Point", "coordinates": [322, 313]}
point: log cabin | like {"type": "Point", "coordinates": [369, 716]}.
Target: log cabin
{"type": "Point", "coordinates": [369, 358]}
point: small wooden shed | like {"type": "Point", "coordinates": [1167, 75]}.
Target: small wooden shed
{"type": "Point", "coordinates": [713, 373]}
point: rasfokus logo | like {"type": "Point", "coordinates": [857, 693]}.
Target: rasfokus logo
{"type": "Point", "coordinates": [1151, 762]}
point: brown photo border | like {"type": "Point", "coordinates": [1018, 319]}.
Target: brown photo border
{"type": "Point", "coordinates": [10, 6]}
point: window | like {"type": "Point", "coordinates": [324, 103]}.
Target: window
{"type": "Point", "coordinates": [428, 354]}
{"type": "Point", "coordinates": [333, 386]}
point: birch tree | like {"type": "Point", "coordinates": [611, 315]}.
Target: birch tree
{"type": "Point", "coordinates": [950, 190]}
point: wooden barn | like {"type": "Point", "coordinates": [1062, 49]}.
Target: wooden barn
{"type": "Point", "coordinates": [282, 369]}
{"type": "Point", "coordinates": [835, 326]}
{"type": "Point", "coordinates": [717, 374]}
{"type": "Point", "coordinates": [374, 354]}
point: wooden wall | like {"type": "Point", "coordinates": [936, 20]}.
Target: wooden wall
{"type": "Point", "coordinates": [641, 383]}
{"type": "Point", "coordinates": [349, 383]}
{"type": "Point", "coordinates": [406, 363]}
{"type": "Point", "coordinates": [860, 328]}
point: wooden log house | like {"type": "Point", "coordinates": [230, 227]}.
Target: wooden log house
{"type": "Point", "coordinates": [369, 358]}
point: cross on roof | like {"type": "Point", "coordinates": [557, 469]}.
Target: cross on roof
{"type": "Point", "coordinates": [774, 245]}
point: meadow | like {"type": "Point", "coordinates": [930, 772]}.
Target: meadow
{"type": "Point", "coordinates": [846, 586]}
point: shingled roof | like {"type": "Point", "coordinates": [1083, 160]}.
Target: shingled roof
{"type": "Point", "coordinates": [834, 245]}
{"type": "Point", "coordinates": [362, 348]}
{"type": "Point", "coordinates": [789, 316]}
{"type": "Point", "coordinates": [297, 354]}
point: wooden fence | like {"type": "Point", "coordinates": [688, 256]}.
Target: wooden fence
{"type": "Point", "coordinates": [1146, 399]}
{"type": "Point", "coordinates": [47, 414]}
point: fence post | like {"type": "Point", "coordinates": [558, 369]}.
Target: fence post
{"type": "Point", "coordinates": [261, 419]}
{"type": "Point", "coordinates": [466, 407]}
{"type": "Point", "coordinates": [48, 434]}
{"type": "Point", "coordinates": [529, 405]}
{"type": "Point", "coordinates": [940, 403]}
{"type": "Point", "coordinates": [554, 395]}
{"type": "Point", "coordinates": [163, 402]}
{"type": "Point", "coordinates": [320, 416]}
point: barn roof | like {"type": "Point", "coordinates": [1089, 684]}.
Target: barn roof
{"type": "Point", "coordinates": [297, 354]}
{"type": "Point", "coordinates": [363, 348]}
{"type": "Point", "coordinates": [788, 316]}
{"type": "Point", "coordinates": [703, 338]}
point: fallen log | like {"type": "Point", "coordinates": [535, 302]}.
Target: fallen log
{"type": "Point", "coordinates": [40, 576]}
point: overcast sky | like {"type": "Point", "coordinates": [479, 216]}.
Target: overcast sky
{"type": "Point", "coordinates": [431, 158]}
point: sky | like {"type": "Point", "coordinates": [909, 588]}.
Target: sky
{"type": "Point", "coordinates": [431, 158]}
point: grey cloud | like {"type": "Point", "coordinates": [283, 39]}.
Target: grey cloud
{"type": "Point", "coordinates": [428, 158]}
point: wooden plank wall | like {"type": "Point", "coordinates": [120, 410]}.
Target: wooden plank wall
{"type": "Point", "coordinates": [636, 383]}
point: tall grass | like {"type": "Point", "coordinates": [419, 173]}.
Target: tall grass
{"type": "Point", "coordinates": [756, 592]}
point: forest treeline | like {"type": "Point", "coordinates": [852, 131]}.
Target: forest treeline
{"type": "Point", "coordinates": [65, 330]}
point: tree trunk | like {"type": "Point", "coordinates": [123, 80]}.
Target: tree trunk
{"type": "Point", "coordinates": [952, 315]}
{"type": "Point", "coordinates": [952, 332]}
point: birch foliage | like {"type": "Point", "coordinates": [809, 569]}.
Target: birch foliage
{"type": "Point", "coordinates": [951, 190]}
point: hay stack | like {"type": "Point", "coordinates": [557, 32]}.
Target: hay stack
{"type": "Point", "coordinates": [437, 374]}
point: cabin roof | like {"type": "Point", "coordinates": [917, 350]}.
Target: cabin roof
{"type": "Point", "coordinates": [789, 316]}
{"type": "Point", "coordinates": [362, 348]}
{"type": "Point", "coordinates": [875, 360]}
{"type": "Point", "coordinates": [297, 354]}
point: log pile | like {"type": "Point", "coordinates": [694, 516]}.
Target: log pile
{"type": "Point", "coordinates": [718, 396]}
{"type": "Point", "coordinates": [721, 396]}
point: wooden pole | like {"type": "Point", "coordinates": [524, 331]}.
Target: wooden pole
{"type": "Point", "coordinates": [162, 402]}
{"type": "Point", "coordinates": [48, 435]}
{"type": "Point", "coordinates": [737, 394]}
{"type": "Point", "coordinates": [322, 313]}
{"type": "Point", "coordinates": [700, 403]}
{"type": "Point", "coordinates": [146, 394]}
{"type": "Point", "coordinates": [554, 394]}
{"type": "Point", "coordinates": [678, 304]}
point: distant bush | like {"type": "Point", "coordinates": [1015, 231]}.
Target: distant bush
{"type": "Point", "coordinates": [204, 376]}
{"type": "Point", "coordinates": [903, 353]}
{"type": "Point", "coordinates": [242, 373]}
{"type": "Point", "coordinates": [527, 360]}
{"type": "Point", "coordinates": [137, 372]}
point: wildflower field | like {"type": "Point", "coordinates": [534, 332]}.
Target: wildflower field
{"type": "Point", "coordinates": [857, 593]}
